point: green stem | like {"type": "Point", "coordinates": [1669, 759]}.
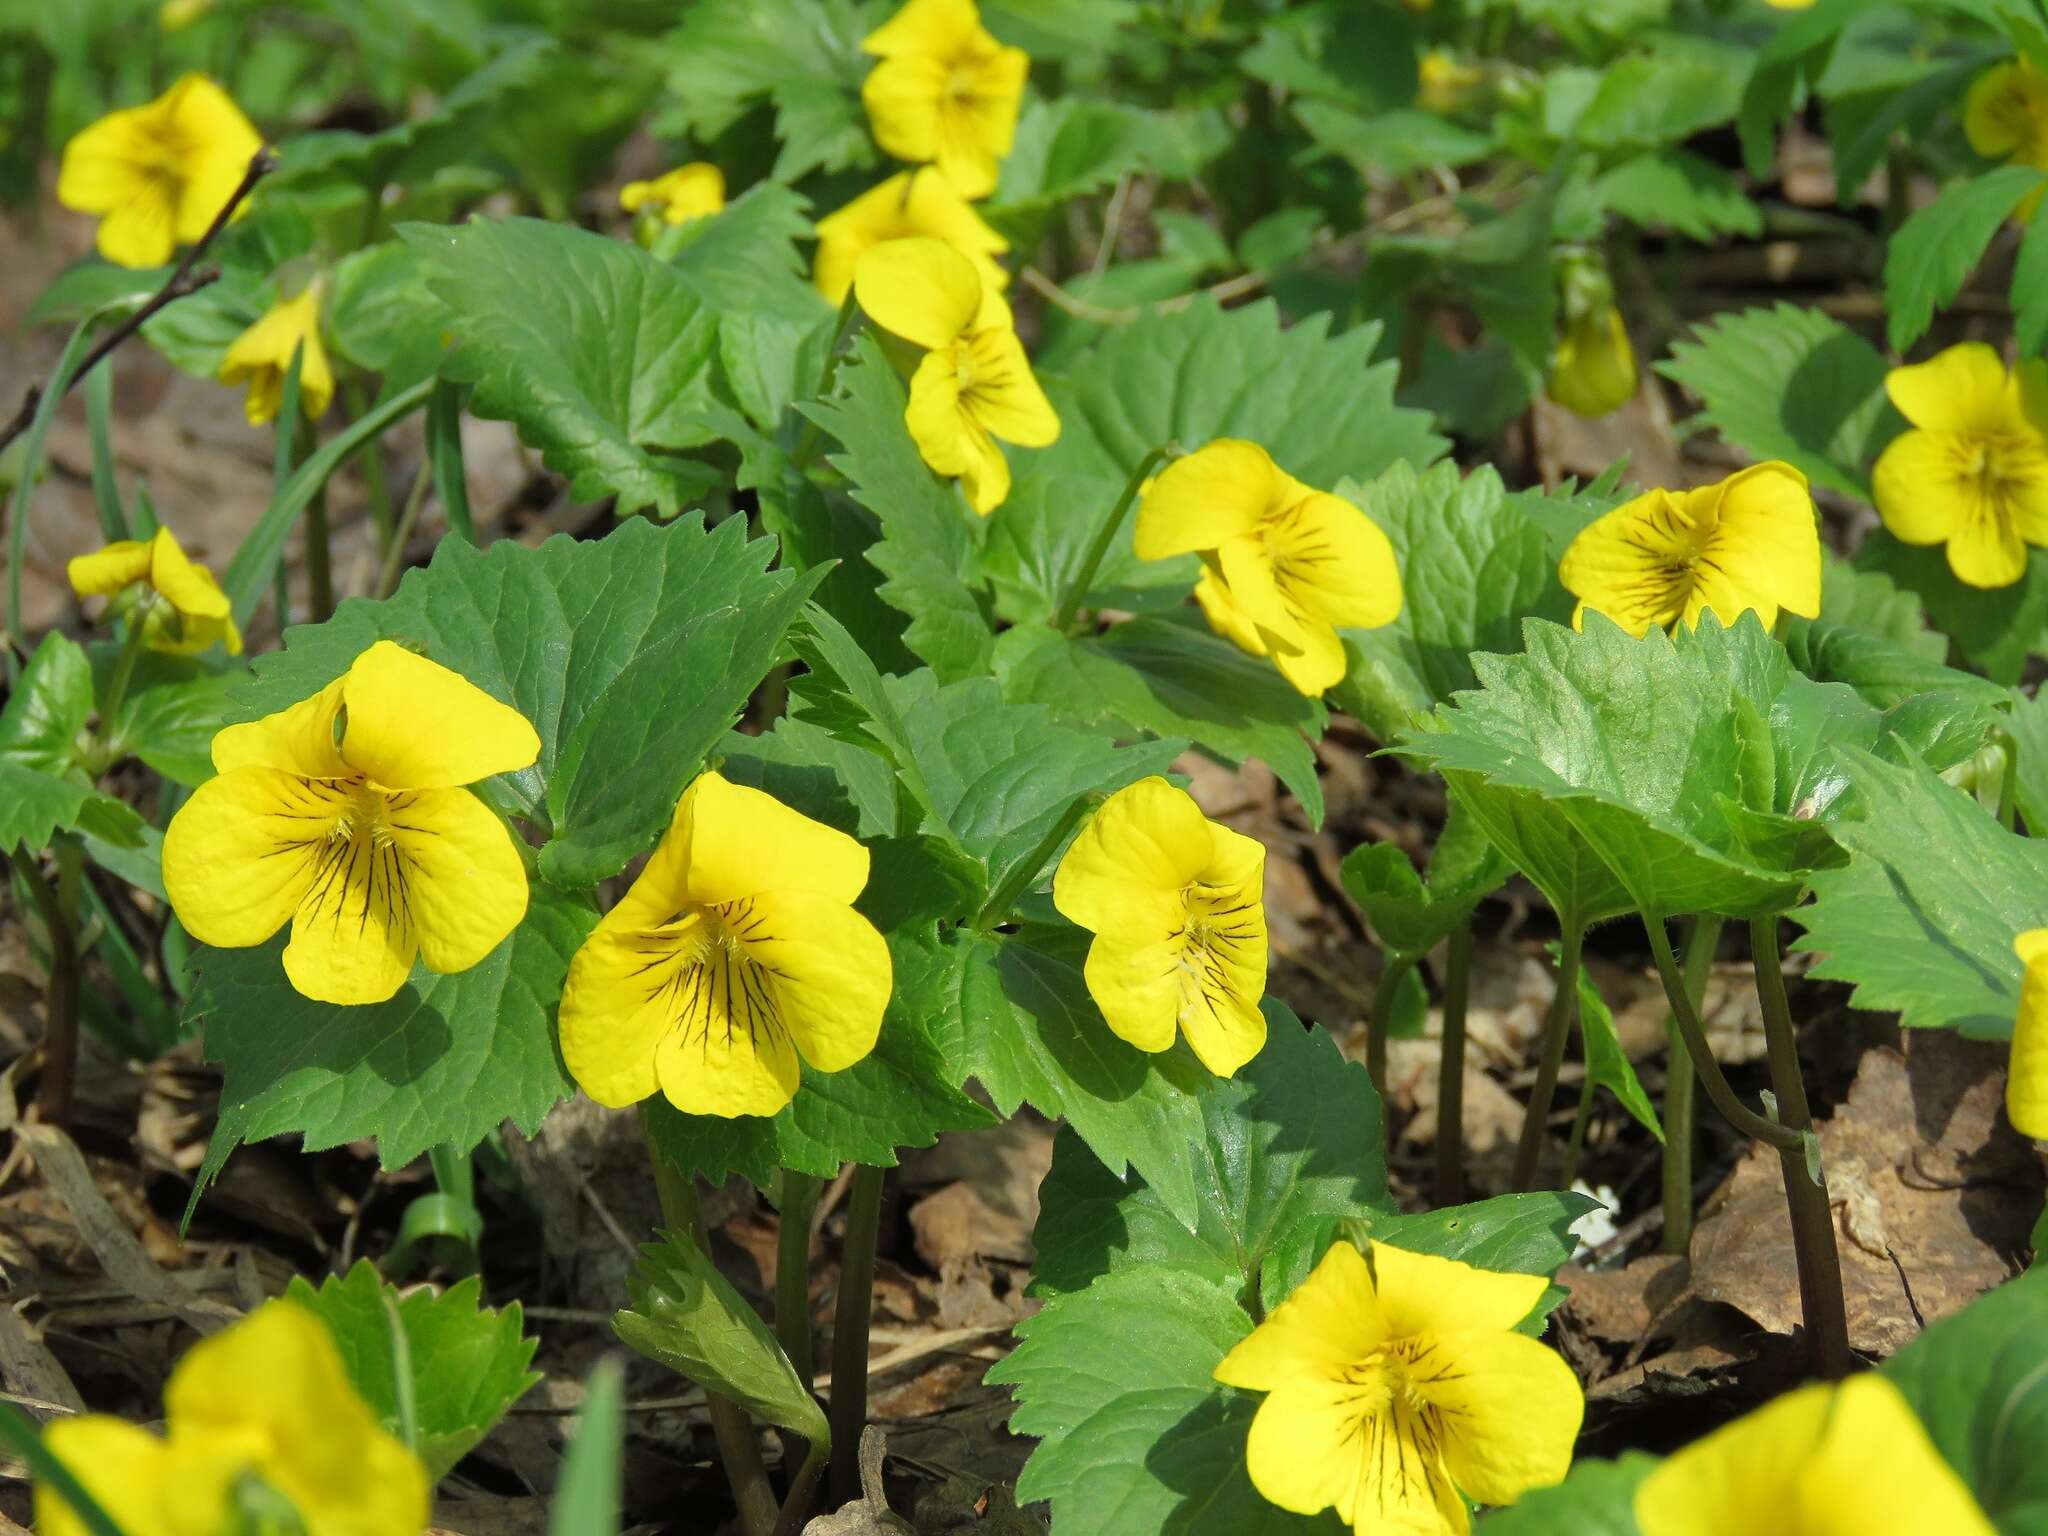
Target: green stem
{"type": "Point", "coordinates": [1575, 1144]}
{"type": "Point", "coordinates": [1394, 968]}
{"type": "Point", "coordinates": [797, 1199]}
{"type": "Point", "coordinates": [319, 559]}
{"type": "Point", "coordinates": [850, 1330]}
{"type": "Point", "coordinates": [60, 996]}
{"type": "Point", "coordinates": [2008, 782]}
{"type": "Point", "coordinates": [1681, 1090]}
{"type": "Point", "coordinates": [444, 448]}
{"type": "Point", "coordinates": [382, 514]}
{"type": "Point", "coordinates": [849, 317]}
{"type": "Point", "coordinates": [117, 692]}
{"type": "Point", "coordinates": [802, 1490]}
{"type": "Point", "coordinates": [1806, 1186]}
{"type": "Point", "coordinates": [738, 1449]}
{"type": "Point", "coordinates": [1732, 1109]}
{"type": "Point", "coordinates": [1450, 1078]}
{"type": "Point", "coordinates": [408, 520]}
{"type": "Point", "coordinates": [996, 910]}
{"type": "Point", "coordinates": [1557, 1029]}
{"type": "Point", "coordinates": [1084, 578]}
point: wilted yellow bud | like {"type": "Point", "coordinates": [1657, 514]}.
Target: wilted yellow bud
{"type": "Point", "coordinates": [1594, 371]}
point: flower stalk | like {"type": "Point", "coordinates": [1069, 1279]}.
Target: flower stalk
{"type": "Point", "coordinates": [1450, 1080]}
{"type": "Point", "coordinates": [1806, 1188]}
{"type": "Point", "coordinates": [1381, 1021]}
{"type": "Point", "coordinates": [738, 1450]}
{"type": "Point", "coordinates": [850, 1329]}
{"type": "Point", "coordinates": [796, 1201]}
{"type": "Point", "coordinates": [1098, 550]}
{"type": "Point", "coordinates": [1557, 1028]}
{"type": "Point", "coordinates": [60, 995]}
{"type": "Point", "coordinates": [1681, 1090]}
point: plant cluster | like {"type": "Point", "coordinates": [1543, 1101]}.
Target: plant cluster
{"type": "Point", "coordinates": [826, 802]}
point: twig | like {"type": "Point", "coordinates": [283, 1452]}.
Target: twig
{"type": "Point", "coordinates": [188, 278]}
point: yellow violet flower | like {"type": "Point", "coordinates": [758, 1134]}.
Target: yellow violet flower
{"type": "Point", "coordinates": [693, 191]}
{"type": "Point", "coordinates": [1176, 904]}
{"type": "Point", "coordinates": [1444, 84]}
{"type": "Point", "coordinates": [267, 1400]}
{"type": "Point", "coordinates": [1847, 1460]}
{"type": "Point", "coordinates": [945, 91]}
{"type": "Point", "coordinates": [1392, 1388]}
{"type": "Point", "coordinates": [176, 15]}
{"type": "Point", "coordinates": [1790, 5]}
{"type": "Point", "coordinates": [345, 815]}
{"type": "Point", "coordinates": [735, 953]}
{"type": "Point", "coordinates": [1594, 371]}
{"type": "Point", "coordinates": [2026, 1079]}
{"type": "Point", "coordinates": [262, 357]}
{"type": "Point", "coordinates": [1748, 542]}
{"type": "Point", "coordinates": [2005, 117]}
{"type": "Point", "coordinates": [907, 205]}
{"type": "Point", "coordinates": [1974, 473]}
{"type": "Point", "coordinates": [158, 173]}
{"type": "Point", "coordinates": [184, 610]}
{"type": "Point", "coordinates": [1288, 565]}
{"type": "Point", "coordinates": [974, 384]}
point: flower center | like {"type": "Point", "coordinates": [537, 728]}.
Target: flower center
{"type": "Point", "coordinates": [963, 84]}
{"type": "Point", "coordinates": [1993, 466]}
{"type": "Point", "coordinates": [700, 965]}
{"type": "Point", "coordinates": [365, 816]}
{"type": "Point", "coordinates": [1217, 925]}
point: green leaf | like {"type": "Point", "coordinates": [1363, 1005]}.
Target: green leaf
{"type": "Point", "coordinates": [446, 1060]}
{"type": "Point", "coordinates": [92, 285]}
{"type": "Point", "coordinates": [1115, 1380]}
{"type": "Point", "coordinates": [1792, 384]}
{"type": "Point", "coordinates": [1031, 1034]}
{"type": "Point", "coordinates": [173, 708]}
{"type": "Point", "coordinates": [1607, 1064]}
{"type": "Point", "coordinates": [195, 332]}
{"type": "Point", "coordinates": [743, 262]}
{"type": "Point", "coordinates": [1409, 917]}
{"type": "Point", "coordinates": [1996, 630]}
{"type": "Point", "coordinates": [586, 1501]}
{"type": "Point", "coordinates": [1979, 1382]}
{"type": "Point", "coordinates": [1397, 143]}
{"type": "Point", "coordinates": [1874, 637]}
{"type": "Point", "coordinates": [1290, 1145]}
{"type": "Point", "coordinates": [1677, 190]}
{"type": "Point", "coordinates": [930, 544]}
{"type": "Point", "coordinates": [686, 1315]}
{"type": "Point", "coordinates": [1168, 676]}
{"type": "Point", "coordinates": [601, 355]}
{"type": "Point", "coordinates": [1648, 100]}
{"type": "Point", "coordinates": [469, 1362]}
{"type": "Point", "coordinates": [1922, 918]}
{"type": "Point", "coordinates": [1322, 51]}
{"type": "Point", "coordinates": [901, 1095]}
{"type": "Point", "coordinates": [1597, 1498]}
{"type": "Point", "coordinates": [2030, 288]}
{"type": "Point", "coordinates": [1070, 146]}
{"type": "Point", "coordinates": [1518, 1234]}
{"type": "Point", "coordinates": [1323, 409]}
{"type": "Point", "coordinates": [382, 315]}
{"type": "Point", "coordinates": [1794, 54]}
{"type": "Point", "coordinates": [2027, 727]}
{"type": "Point", "coordinates": [631, 655]}
{"type": "Point", "coordinates": [1658, 752]}
{"type": "Point", "coordinates": [1472, 569]}
{"type": "Point", "coordinates": [802, 57]}
{"type": "Point", "coordinates": [1936, 249]}
{"type": "Point", "coordinates": [43, 789]}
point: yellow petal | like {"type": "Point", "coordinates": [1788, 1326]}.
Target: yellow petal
{"type": "Point", "coordinates": [1337, 563]}
{"type": "Point", "coordinates": [911, 203]}
{"type": "Point", "coordinates": [1314, 663]}
{"type": "Point", "coordinates": [2005, 109]}
{"type": "Point", "coordinates": [938, 424]}
{"type": "Point", "coordinates": [2026, 1082]}
{"type": "Point", "coordinates": [1199, 502]}
{"type": "Point", "coordinates": [187, 587]}
{"type": "Point", "coordinates": [1247, 567]}
{"type": "Point", "coordinates": [125, 1468]}
{"type": "Point", "coordinates": [1913, 487]}
{"type": "Point", "coordinates": [1594, 371]}
{"type": "Point", "coordinates": [1631, 564]}
{"type": "Point", "coordinates": [1984, 549]}
{"type": "Point", "coordinates": [693, 191]}
{"type": "Point", "coordinates": [353, 939]}
{"type": "Point", "coordinates": [262, 356]}
{"type": "Point", "coordinates": [1961, 389]}
{"type": "Point", "coordinates": [299, 739]}
{"type": "Point", "coordinates": [1331, 1321]}
{"type": "Point", "coordinates": [241, 855]}
{"type": "Point", "coordinates": [1823, 1461]}
{"type": "Point", "coordinates": [275, 1381]}
{"type": "Point", "coordinates": [612, 1017]}
{"type": "Point", "coordinates": [717, 1065]}
{"type": "Point", "coordinates": [1764, 552]}
{"type": "Point", "coordinates": [110, 568]}
{"type": "Point", "coordinates": [1005, 396]}
{"type": "Point", "coordinates": [920, 289]}
{"type": "Point", "coordinates": [218, 143]}
{"type": "Point", "coordinates": [464, 881]}
{"type": "Point", "coordinates": [830, 969]}
{"type": "Point", "coordinates": [1420, 1293]}
{"type": "Point", "coordinates": [413, 724]}
{"type": "Point", "coordinates": [1126, 868]}
{"type": "Point", "coordinates": [985, 476]}
{"type": "Point", "coordinates": [1136, 981]}
{"type": "Point", "coordinates": [729, 842]}
{"type": "Point", "coordinates": [938, 28]}
{"type": "Point", "coordinates": [1511, 1410]}
{"type": "Point", "coordinates": [1224, 615]}
{"type": "Point", "coordinates": [903, 98]}
{"type": "Point", "coordinates": [1222, 1022]}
